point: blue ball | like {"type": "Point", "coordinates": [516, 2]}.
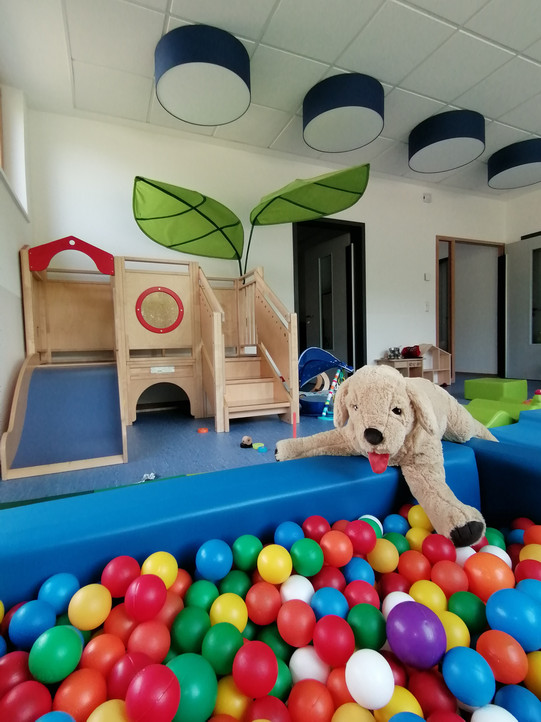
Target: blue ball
{"type": "Point", "coordinates": [3, 646]}
{"type": "Point", "coordinates": [328, 600]}
{"type": "Point", "coordinates": [56, 716]}
{"type": "Point", "coordinates": [29, 621]}
{"type": "Point", "coordinates": [287, 533]}
{"type": "Point", "coordinates": [214, 559]}
{"type": "Point", "coordinates": [531, 587]}
{"type": "Point", "coordinates": [405, 717]}
{"type": "Point", "coordinates": [395, 523]}
{"type": "Point", "coordinates": [358, 568]}
{"type": "Point", "coordinates": [58, 591]}
{"type": "Point", "coordinates": [468, 676]}
{"type": "Point", "coordinates": [512, 611]}
{"type": "Point", "coordinates": [515, 536]}
{"type": "Point", "coordinates": [520, 702]}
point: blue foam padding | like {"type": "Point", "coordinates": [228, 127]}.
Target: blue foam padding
{"type": "Point", "coordinates": [72, 413]}
{"type": "Point", "coordinates": [81, 534]}
{"type": "Point", "coordinates": [526, 431]}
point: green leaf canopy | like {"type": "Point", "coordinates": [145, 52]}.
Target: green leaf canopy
{"type": "Point", "coordinates": [305, 200]}
{"type": "Point", "coordinates": [186, 220]}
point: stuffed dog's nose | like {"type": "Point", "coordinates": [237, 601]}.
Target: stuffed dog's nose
{"type": "Point", "coordinates": [373, 436]}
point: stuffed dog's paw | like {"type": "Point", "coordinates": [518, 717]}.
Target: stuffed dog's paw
{"type": "Point", "coordinates": [281, 450]}
{"type": "Point", "coordinates": [470, 533]}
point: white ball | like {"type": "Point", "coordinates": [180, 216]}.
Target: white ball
{"type": "Point", "coordinates": [369, 679]}
{"type": "Point", "coordinates": [297, 587]}
{"type": "Point", "coordinates": [463, 553]}
{"type": "Point", "coordinates": [492, 713]}
{"type": "Point", "coordinates": [392, 599]}
{"type": "Point", "coordinates": [498, 552]}
{"type": "Point", "coordinates": [366, 517]}
{"type": "Point", "coordinates": [305, 663]}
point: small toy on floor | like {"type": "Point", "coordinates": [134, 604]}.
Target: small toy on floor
{"type": "Point", "coordinates": [246, 442]}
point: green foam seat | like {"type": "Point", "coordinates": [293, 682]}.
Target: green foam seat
{"type": "Point", "coordinates": [496, 389]}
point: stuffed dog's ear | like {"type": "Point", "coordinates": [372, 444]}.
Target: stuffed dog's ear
{"type": "Point", "coordinates": [424, 412]}
{"type": "Point", "coordinates": [340, 413]}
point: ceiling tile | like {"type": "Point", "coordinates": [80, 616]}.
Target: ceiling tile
{"type": "Point", "coordinates": [404, 110]}
{"type": "Point", "coordinates": [498, 135]}
{"type": "Point", "coordinates": [290, 140]}
{"type": "Point", "coordinates": [393, 161]}
{"type": "Point", "coordinates": [526, 116]}
{"type": "Point", "coordinates": [327, 28]}
{"type": "Point", "coordinates": [161, 117]}
{"type": "Point", "coordinates": [457, 11]}
{"type": "Point", "coordinates": [159, 5]}
{"type": "Point", "coordinates": [112, 92]}
{"type": "Point", "coordinates": [534, 51]}
{"type": "Point", "coordinates": [514, 24]}
{"type": "Point", "coordinates": [461, 61]}
{"type": "Point", "coordinates": [241, 17]}
{"type": "Point", "coordinates": [473, 175]}
{"type": "Point", "coordinates": [258, 126]}
{"type": "Point", "coordinates": [362, 155]}
{"type": "Point", "coordinates": [396, 40]}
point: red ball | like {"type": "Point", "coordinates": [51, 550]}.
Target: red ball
{"type": "Point", "coordinates": [145, 596]}
{"type": "Point", "coordinates": [182, 583]}
{"type": "Point", "coordinates": [413, 565]}
{"type": "Point", "coordinates": [123, 671]}
{"type": "Point", "coordinates": [4, 624]}
{"type": "Point", "coordinates": [337, 548]}
{"type": "Point", "coordinates": [333, 640]}
{"type": "Point", "coordinates": [119, 623]}
{"type": "Point", "coordinates": [532, 534]}
{"type": "Point", "coordinates": [255, 669]}
{"type": "Point", "coordinates": [102, 652]}
{"type": "Point", "coordinates": [514, 553]}
{"type": "Point", "coordinates": [487, 574]}
{"type": "Point", "coordinates": [480, 544]}
{"type": "Point", "coordinates": [528, 569]}
{"type": "Point", "coordinates": [267, 708]}
{"type": "Point", "coordinates": [13, 670]}
{"type": "Point", "coordinates": [173, 605]}
{"type": "Point", "coordinates": [360, 592]}
{"type": "Point", "coordinates": [404, 510]}
{"type": "Point", "coordinates": [153, 695]}
{"type": "Point", "coordinates": [362, 535]}
{"type": "Point", "coordinates": [392, 582]}
{"type": "Point", "coordinates": [398, 669]}
{"type": "Point", "coordinates": [505, 656]}
{"type": "Point", "coordinates": [25, 702]}
{"type": "Point", "coordinates": [296, 621]}
{"type": "Point", "coordinates": [340, 524]}
{"type": "Point", "coordinates": [336, 684]}
{"type": "Point", "coordinates": [119, 573]}
{"type": "Point", "coordinates": [437, 547]}
{"type": "Point", "coordinates": [152, 638]}
{"type": "Point", "coordinates": [521, 522]}
{"type": "Point", "coordinates": [80, 693]}
{"type": "Point", "coordinates": [430, 690]}
{"type": "Point", "coordinates": [263, 601]}
{"type": "Point", "coordinates": [310, 701]}
{"type": "Point", "coordinates": [315, 526]}
{"type": "Point", "coordinates": [450, 577]}
{"type": "Point", "coordinates": [329, 577]}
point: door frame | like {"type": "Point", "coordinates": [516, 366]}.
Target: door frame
{"type": "Point", "coordinates": [501, 336]}
{"type": "Point", "coordinates": [355, 280]}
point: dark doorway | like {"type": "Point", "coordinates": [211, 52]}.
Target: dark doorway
{"type": "Point", "coordinates": [329, 268]}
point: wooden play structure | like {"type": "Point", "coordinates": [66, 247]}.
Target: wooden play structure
{"type": "Point", "coordinates": [98, 337]}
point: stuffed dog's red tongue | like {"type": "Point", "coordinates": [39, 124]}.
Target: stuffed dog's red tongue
{"type": "Point", "coordinates": [378, 462]}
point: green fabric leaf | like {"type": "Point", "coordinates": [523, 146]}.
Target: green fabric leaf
{"type": "Point", "coordinates": [186, 220]}
{"type": "Point", "coordinates": [305, 200]}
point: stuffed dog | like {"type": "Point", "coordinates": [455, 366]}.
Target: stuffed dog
{"type": "Point", "coordinates": [398, 421]}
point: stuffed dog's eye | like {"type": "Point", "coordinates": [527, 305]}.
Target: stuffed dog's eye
{"type": "Point", "coordinates": [397, 411]}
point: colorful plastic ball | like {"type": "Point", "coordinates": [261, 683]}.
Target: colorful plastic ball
{"type": "Point", "coordinates": [13, 670]}
{"type": "Point", "coordinates": [153, 695]}
{"type": "Point", "coordinates": [29, 621]}
{"type": "Point", "coordinates": [263, 601]}
{"type": "Point", "coordinates": [528, 569]}
{"type": "Point", "coordinates": [362, 535]}
{"type": "Point", "coordinates": [361, 592]}
{"type": "Point", "coordinates": [440, 716]}
{"type": "Point", "coordinates": [430, 594]}
{"type": "Point", "coordinates": [287, 533]}
{"type": "Point", "coordinates": [310, 701]}
{"type": "Point", "coordinates": [123, 671]}
{"type": "Point", "coordinates": [255, 669]}
{"type": "Point", "coordinates": [214, 559]}
{"type": "Point", "coordinates": [329, 600]}
{"type": "Point", "coordinates": [57, 591]}
{"type": "Point", "coordinates": [220, 645]}
{"type": "Point", "coordinates": [145, 597]}
{"type": "Point", "coordinates": [392, 600]}
{"type": "Point", "coordinates": [429, 689]}
{"type": "Point", "coordinates": [3, 646]}
{"type": "Point", "coordinates": [351, 712]}
{"type": "Point", "coordinates": [383, 557]}
{"type": "Point", "coordinates": [246, 549]}
{"type": "Point", "coordinates": [470, 609]}
{"type": "Point", "coordinates": [436, 547]}
{"type": "Point", "coordinates": [315, 526]}
{"type": "Point", "coordinates": [402, 701]}
{"type": "Point", "coordinates": [307, 557]}
{"type": "Point", "coordinates": [392, 582]}
{"type": "Point", "coordinates": [468, 676]}
{"type": "Point", "coordinates": [495, 536]}
{"type": "Point", "coordinates": [450, 577]}
{"type": "Point", "coordinates": [374, 522]}
{"type": "Point", "coordinates": [329, 577]}
{"type": "Point", "coordinates": [80, 693]}
{"type": "Point", "coordinates": [119, 573]}
{"type": "Point", "coordinates": [201, 594]}
{"type": "Point", "coordinates": [172, 607]}
{"type": "Point", "coordinates": [65, 717]}
{"type": "Point", "coordinates": [269, 708]}
{"type": "Point", "coordinates": [416, 635]}
{"type": "Point", "coordinates": [163, 565]}
{"type": "Point", "coordinates": [230, 702]}
{"type": "Point", "coordinates": [119, 623]}
{"type": "Point", "coordinates": [152, 638]}
{"type": "Point", "coordinates": [400, 674]}
{"type": "Point", "coordinates": [532, 534]}
{"type": "Point", "coordinates": [236, 582]}
{"type": "Point", "coordinates": [102, 652]}
{"type": "Point", "coordinates": [305, 663]}
{"type": "Point", "coordinates": [487, 574]}
{"type": "Point", "coordinates": [532, 680]}
{"type": "Point", "coordinates": [417, 516]}
{"type": "Point", "coordinates": [271, 636]}
{"type": "Point", "coordinates": [369, 679]}
{"type": "Point", "coordinates": [337, 548]}
{"type": "Point", "coordinates": [230, 608]}
{"type": "Point", "coordinates": [520, 702]}
{"type": "Point", "coordinates": [296, 587]}
{"type": "Point", "coordinates": [395, 523]}
{"type": "Point", "coordinates": [530, 587]}
{"type": "Point", "coordinates": [336, 684]}
{"type": "Point", "coordinates": [530, 551]}
{"type": "Point", "coordinates": [283, 682]}
{"type": "Point", "coordinates": [521, 522]}
{"type": "Point", "coordinates": [114, 710]}
{"type": "Point", "coordinates": [340, 524]}
{"type": "Point", "coordinates": [334, 640]}
{"type": "Point", "coordinates": [26, 702]}
{"type": "Point", "coordinates": [399, 540]}
{"type": "Point", "coordinates": [182, 583]}
{"type": "Point", "coordinates": [456, 631]}
{"type": "Point", "coordinates": [55, 654]}
{"type": "Point", "coordinates": [416, 537]}
{"type": "Point", "coordinates": [515, 536]}
{"type": "Point", "coordinates": [413, 565]}
{"type": "Point", "coordinates": [492, 713]}
{"type": "Point", "coordinates": [498, 552]}
{"type": "Point", "coordinates": [198, 686]}
{"type": "Point", "coordinates": [505, 656]}
{"type": "Point", "coordinates": [274, 563]}
{"type": "Point", "coordinates": [511, 611]}
{"type": "Point", "coordinates": [368, 626]}
{"type": "Point", "coordinates": [90, 606]}
{"type": "Point", "coordinates": [296, 621]}
{"type": "Point", "coordinates": [404, 717]}
{"type": "Point", "coordinates": [464, 553]}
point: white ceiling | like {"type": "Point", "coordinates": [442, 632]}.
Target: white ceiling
{"type": "Point", "coordinates": [97, 56]}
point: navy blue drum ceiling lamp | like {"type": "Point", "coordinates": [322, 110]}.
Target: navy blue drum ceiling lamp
{"type": "Point", "coordinates": [446, 141]}
{"type": "Point", "coordinates": [202, 75]}
{"type": "Point", "coordinates": [515, 166]}
{"type": "Point", "coordinates": [343, 112]}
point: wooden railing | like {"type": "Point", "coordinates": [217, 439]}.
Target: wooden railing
{"type": "Point", "coordinates": [212, 351]}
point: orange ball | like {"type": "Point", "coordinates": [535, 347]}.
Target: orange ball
{"type": "Point", "coordinates": [102, 652]}
{"type": "Point", "coordinates": [337, 548]}
{"type": "Point", "coordinates": [414, 566]}
{"type": "Point", "coordinates": [450, 577]}
{"type": "Point", "coordinates": [80, 693]}
{"type": "Point", "coordinates": [532, 535]}
{"type": "Point", "coordinates": [487, 574]}
{"type": "Point", "coordinates": [506, 658]}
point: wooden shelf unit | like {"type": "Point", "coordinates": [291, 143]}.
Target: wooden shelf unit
{"type": "Point", "coordinates": [410, 367]}
{"type": "Point", "coordinates": [436, 365]}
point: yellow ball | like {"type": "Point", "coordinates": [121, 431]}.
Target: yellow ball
{"type": "Point", "coordinates": [401, 701]}
{"type": "Point", "coordinates": [530, 551]}
{"type": "Point", "coordinates": [416, 536]}
{"type": "Point", "coordinates": [428, 593]}
{"type": "Point", "coordinates": [90, 606]}
{"type": "Point", "coordinates": [384, 556]}
{"type": "Point", "coordinates": [352, 712]}
{"type": "Point", "coordinates": [114, 710]}
{"type": "Point", "coordinates": [533, 677]}
{"type": "Point", "coordinates": [417, 516]}
{"type": "Point", "coordinates": [229, 699]}
{"type": "Point", "coordinates": [163, 565]}
{"type": "Point", "coordinates": [274, 563]}
{"type": "Point", "coordinates": [230, 608]}
{"type": "Point", "coordinates": [456, 630]}
{"type": "Point", "coordinates": [2, 610]}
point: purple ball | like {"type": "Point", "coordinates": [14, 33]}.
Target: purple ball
{"type": "Point", "coordinates": [416, 635]}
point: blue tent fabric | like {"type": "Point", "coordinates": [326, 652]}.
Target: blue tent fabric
{"type": "Point", "coordinates": [314, 361]}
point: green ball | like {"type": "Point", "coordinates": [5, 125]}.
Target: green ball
{"type": "Point", "coordinates": [55, 654]}
{"type": "Point", "coordinates": [201, 594]}
{"type": "Point", "coordinates": [368, 625]}
{"type": "Point", "coordinates": [199, 687]}
{"type": "Point", "coordinates": [251, 630]}
{"type": "Point", "coordinates": [236, 582]}
{"type": "Point", "coordinates": [63, 620]}
{"type": "Point", "coordinates": [284, 682]}
{"type": "Point", "coordinates": [189, 628]}
{"type": "Point", "coordinates": [470, 609]}
{"type": "Point", "coordinates": [495, 537]}
{"type": "Point", "coordinates": [399, 540]}
{"type": "Point", "coordinates": [307, 557]}
{"type": "Point", "coordinates": [220, 645]}
{"type": "Point", "coordinates": [271, 636]}
{"type": "Point", "coordinates": [246, 549]}
{"type": "Point", "coordinates": [376, 526]}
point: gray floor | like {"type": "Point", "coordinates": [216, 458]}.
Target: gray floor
{"type": "Point", "coordinates": [168, 443]}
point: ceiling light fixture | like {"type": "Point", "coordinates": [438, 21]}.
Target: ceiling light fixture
{"type": "Point", "coordinates": [343, 112]}
{"type": "Point", "coordinates": [446, 141]}
{"type": "Point", "coordinates": [516, 165]}
{"type": "Point", "coordinates": [202, 75]}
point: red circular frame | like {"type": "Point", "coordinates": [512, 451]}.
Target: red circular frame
{"type": "Point", "coordinates": [174, 296]}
